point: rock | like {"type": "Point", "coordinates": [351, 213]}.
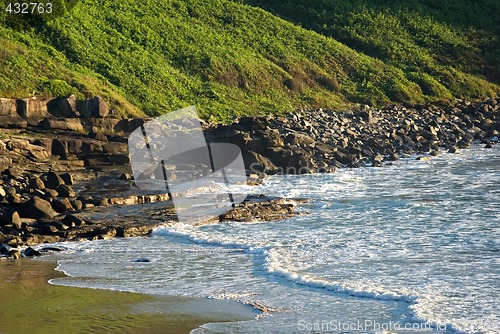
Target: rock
{"type": "Point", "coordinates": [488, 145]}
{"type": "Point", "coordinates": [51, 249]}
{"type": "Point", "coordinates": [77, 204]}
{"type": "Point", "coordinates": [50, 193]}
{"type": "Point", "coordinates": [36, 183]}
{"type": "Point", "coordinates": [72, 220]}
{"type": "Point", "coordinates": [256, 163]}
{"type": "Point", "coordinates": [67, 106]}
{"type": "Point", "coordinates": [15, 220]}
{"type": "Point", "coordinates": [29, 252]}
{"type": "Point", "coordinates": [62, 205]}
{"type": "Point", "coordinates": [98, 107]}
{"type": "Point", "coordinates": [300, 139]}
{"type": "Point", "coordinates": [2, 193]}
{"type": "Point", "coordinates": [68, 124]}
{"type": "Point", "coordinates": [68, 179]}
{"type": "Point", "coordinates": [100, 201]}
{"type": "Point", "coordinates": [52, 180]}
{"type": "Point", "coordinates": [14, 172]}
{"type": "Point", "coordinates": [98, 136]}
{"type": "Point", "coordinates": [142, 260]}
{"type": "Point", "coordinates": [65, 191]}
{"type": "Point", "coordinates": [37, 208]}
{"type": "Point", "coordinates": [5, 249]}
{"type": "Point", "coordinates": [59, 148]}
{"type": "Point", "coordinates": [15, 254]}
{"type": "Point", "coordinates": [124, 177]}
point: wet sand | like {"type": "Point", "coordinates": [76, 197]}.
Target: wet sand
{"type": "Point", "coordinates": [29, 304]}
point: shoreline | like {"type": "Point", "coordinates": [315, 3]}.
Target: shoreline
{"type": "Point", "coordinates": [61, 182]}
{"type": "Point", "coordinates": [30, 304]}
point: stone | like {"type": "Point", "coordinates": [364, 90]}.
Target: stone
{"type": "Point", "coordinates": [15, 220]}
{"type": "Point", "coordinates": [68, 179]}
{"type": "Point", "coordinates": [14, 172]}
{"type": "Point", "coordinates": [77, 204]}
{"type": "Point", "coordinates": [299, 139]}
{"type": "Point", "coordinates": [124, 177]}
{"type": "Point", "coordinates": [59, 148]}
{"type": "Point", "coordinates": [35, 183]}
{"type": "Point", "coordinates": [72, 220]}
{"type": "Point", "coordinates": [98, 107]}
{"type": "Point", "coordinates": [29, 252]}
{"type": "Point", "coordinates": [15, 254]}
{"type": "Point", "coordinates": [65, 191]}
{"type": "Point", "coordinates": [2, 193]}
{"type": "Point", "coordinates": [255, 163]}
{"type": "Point", "coordinates": [37, 208]}
{"type": "Point", "coordinates": [67, 106]}
{"type": "Point", "coordinates": [52, 180]}
{"type": "Point", "coordinates": [61, 205]}
{"type": "Point", "coordinates": [50, 193]}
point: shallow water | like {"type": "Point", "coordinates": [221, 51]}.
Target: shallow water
{"type": "Point", "coordinates": [414, 244]}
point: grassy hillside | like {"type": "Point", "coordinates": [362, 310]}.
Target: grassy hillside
{"type": "Point", "coordinates": [230, 58]}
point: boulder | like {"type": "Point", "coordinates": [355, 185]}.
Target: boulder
{"type": "Point", "coordinates": [68, 179]}
{"type": "Point", "coordinates": [61, 205]}
{"type": "Point", "coordinates": [72, 220]}
{"type": "Point", "coordinates": [65, 191]}
{"type": "Point", "coordinates": [36, 183]}
{"type": "Point", "coordinates": [59, 148]}
{"type": "Point", "coordinates": [37, 208]}
{"type": "Point", "coordinates": [52, 180]}
{"type": "Point", "coordinates": [29, 252]}
{"type": "Point", "coordinates": [296, 138]}
{"type": "Point", "coordinates": [77, 204]}
{"type": "Point", "coordinates": [98, 107]}
{"type": "Point", "coordinates": [255, 163]}
{"type": "Point", "coordinates": [67, 106]}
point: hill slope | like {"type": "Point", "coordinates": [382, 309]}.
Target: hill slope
{"type": "Point", "coordinates": [225, 57]}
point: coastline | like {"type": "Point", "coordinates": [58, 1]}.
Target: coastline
{"type": "Point", "coordinates": [29, 304]}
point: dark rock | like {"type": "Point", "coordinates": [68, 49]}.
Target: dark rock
{"type": "Point", "coordinates": [98, 136]}
{"type": "Point", "coordinates": [37, 208]}
{"type": "Point", "coordinates": [100, 201]}
{"type": "Point", "coordinates": [255, 162]}
{"type": "Point", "coordinates": [51, 249]}
{"type": "Point", "coordinates": [67, 106]}
{"type": "Point", "coordinates": [36, 183]}
{"type": "Point", "coordinates": [77, 204]}
{"type": "Point", "coordinates": [29, 252]}
{"type": "Point", "coordinates": [68, 179]}
{"type": "Point", "coordinates": [488, 145]}
{"type": "Point", "coordinates": [72, 220]}
{"type": "Point", "coordinates": [300, 139]}
{"type": "Point", "coordinates": [61, 205]}
{"type": "Point", "coordinates": [84, 198]}
{"type": "Point", "coordinates": [52, 180]}
{"type": "Point", "coordinates": [98, 107]}
{"type": "Point", "coordinates": [65, 191]}
{"type": "Point", "coordinates": [14, 172]}
{"type": "Point", "coordinates": [51, 193]}
{"type": "Point", "coordinates": [15, 254]}
{"type": "Point", "coordinates": [142, 260]}
{"type": "Point", "coordinates": [125, 177]}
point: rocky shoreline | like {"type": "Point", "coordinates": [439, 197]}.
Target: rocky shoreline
{"type": "Point", "coordinates": [68, 178]}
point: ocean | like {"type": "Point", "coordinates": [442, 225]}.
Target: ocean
{"type": "Point", "coordinates": [412, 247]}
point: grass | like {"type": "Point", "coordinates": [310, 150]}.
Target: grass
{"type": "Point", "coordinates": [231, 58]}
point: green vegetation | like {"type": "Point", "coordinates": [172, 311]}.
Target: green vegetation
{"type": "Point", "coordinates": [231, 59]}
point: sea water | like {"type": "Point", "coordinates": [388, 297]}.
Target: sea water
{"type": "Point", "coordinates": [412, 247]}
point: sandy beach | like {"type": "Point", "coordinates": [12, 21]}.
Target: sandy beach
{"type": "Point", "coordinates": [29, 304]}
